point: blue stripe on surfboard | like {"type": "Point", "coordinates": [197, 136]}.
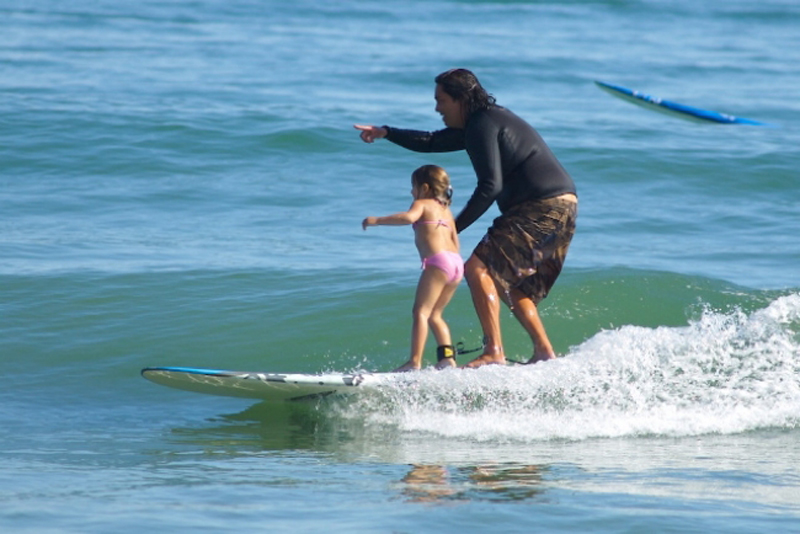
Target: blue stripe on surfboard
{"type": "Point", "coordinates": [673, 108]}
{"type": "Point", "coordinates": [190, 370]}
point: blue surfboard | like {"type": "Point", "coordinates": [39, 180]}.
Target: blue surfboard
{"type": "Point", "coordinates": [673, 108]}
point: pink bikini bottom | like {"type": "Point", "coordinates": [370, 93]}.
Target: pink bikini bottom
{"type": "Point", "coordinates": [449, 262]}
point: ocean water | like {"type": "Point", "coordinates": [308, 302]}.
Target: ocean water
{"type": "Point", "coordinates": [181, 184]}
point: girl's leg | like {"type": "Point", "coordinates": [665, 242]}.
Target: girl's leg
{"type": "Point", "coordinates": [437, 323]}
{"type": "Point", "coordinates": [430, 286]}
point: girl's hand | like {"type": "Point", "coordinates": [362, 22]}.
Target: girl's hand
{"type": "Point", "coordinates": [369, 221]}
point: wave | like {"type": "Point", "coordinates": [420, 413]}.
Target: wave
{"type": "Point", "coordinates": [723, 373]}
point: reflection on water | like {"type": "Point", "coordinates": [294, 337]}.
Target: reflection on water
{"type": "Point", "coordinates": [311, 428]}
{"type": "Point", "coordinates": [500, 482]}
{"type": "Point", "coordinates": [264, 426]}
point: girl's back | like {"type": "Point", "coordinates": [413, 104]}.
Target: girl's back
{"type": "Point", "coordinates": [435, 230]}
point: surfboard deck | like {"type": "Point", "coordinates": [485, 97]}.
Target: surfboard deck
{"type": "Point", "coordinates": [673, 108]}
{"type": "Point", "coordinates": [271, 387]}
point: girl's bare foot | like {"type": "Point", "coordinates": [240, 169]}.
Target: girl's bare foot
{"type": "Point", "coordinates": [446, 363]}
{"type": "Point", "coordinates": [408, 366]}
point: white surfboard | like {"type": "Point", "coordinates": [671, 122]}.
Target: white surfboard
{"type": "Point", "coordinates": [273, 387]}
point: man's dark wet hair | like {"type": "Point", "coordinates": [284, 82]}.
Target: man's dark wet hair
{"type": "Point", "coordinates": [463, 86]}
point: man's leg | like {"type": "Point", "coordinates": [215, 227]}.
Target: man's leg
{"type": "Point", "coordinates": [485, 298]}
{"type": "Point", "coordinates": [526, 312]}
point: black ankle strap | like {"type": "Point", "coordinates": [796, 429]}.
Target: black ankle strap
{"type": "Point", "coordinates": [445, 351]}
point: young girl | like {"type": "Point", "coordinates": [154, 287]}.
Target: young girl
{"type": "Point", "coordinates": [443, 268]}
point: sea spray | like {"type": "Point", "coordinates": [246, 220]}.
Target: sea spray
{"type": "Point", "coordinates": [722, 373]}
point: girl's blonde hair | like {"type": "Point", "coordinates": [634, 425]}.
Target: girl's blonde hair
{"type": "Point", "coordinates": [437, 180]}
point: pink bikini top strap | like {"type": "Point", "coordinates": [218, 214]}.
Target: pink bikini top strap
{"type": "Point", "coordinates": [440, 222]}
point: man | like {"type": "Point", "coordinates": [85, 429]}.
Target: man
{"type": "Point", "coordinates": [522, 254]}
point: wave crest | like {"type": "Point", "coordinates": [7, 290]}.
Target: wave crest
{"type": "Point", "coordinates": [722, 373]}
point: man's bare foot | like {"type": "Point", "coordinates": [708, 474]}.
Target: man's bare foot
{"type": "Point", "coordinates": [487, 359]}
{"type": "Point", "coordinates": [536, 358]}
{"type": "Point", "coordinates": [408, 366]}
{"type": "Point", "coordinates": [446, 363]}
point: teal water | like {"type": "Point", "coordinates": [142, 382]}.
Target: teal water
{"type": "Point", "coordinates": [180, 184]}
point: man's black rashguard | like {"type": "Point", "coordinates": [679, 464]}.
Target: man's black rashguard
{"type": "Point", "coordinates": [511, 160]}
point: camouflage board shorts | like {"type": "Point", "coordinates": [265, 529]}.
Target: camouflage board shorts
{"type": "Point", "coordinates": [525, 247]}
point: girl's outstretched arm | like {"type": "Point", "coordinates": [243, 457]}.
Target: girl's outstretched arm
{"type": "Point", "coordinates": [404, 217]}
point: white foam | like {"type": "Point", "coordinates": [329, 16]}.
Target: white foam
{"type": "Point", "coordinates": [723, 373]}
